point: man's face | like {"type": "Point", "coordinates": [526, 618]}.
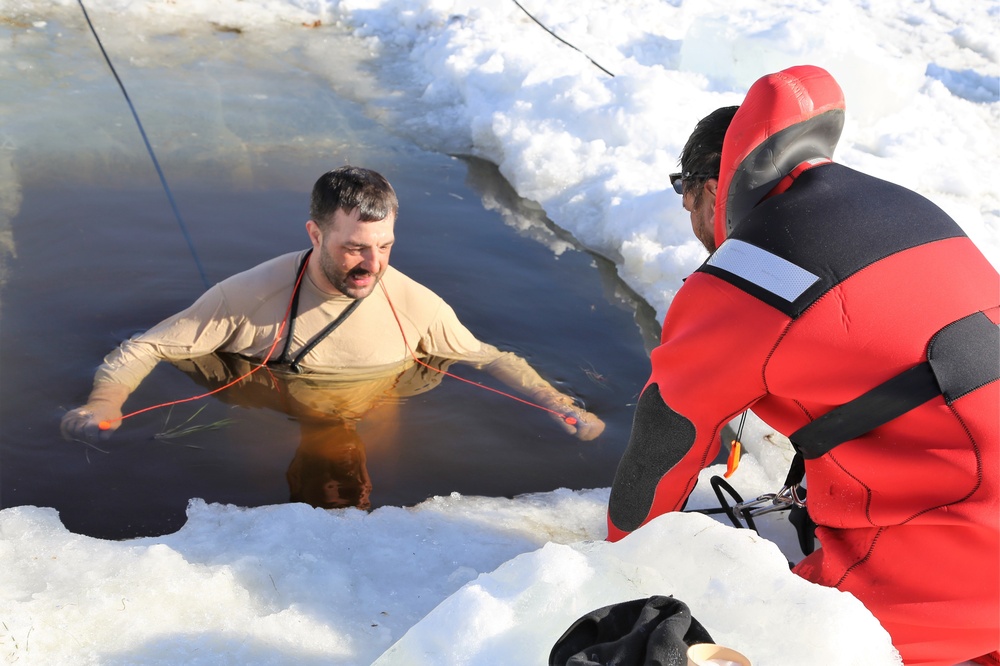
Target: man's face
{"type": "Point", "coordinates": [353, 255]}
{"type": "Point", "coordinates": [699, 200]}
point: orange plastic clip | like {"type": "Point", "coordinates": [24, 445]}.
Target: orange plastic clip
{"type": "Point", "coordinates": [735, 452]}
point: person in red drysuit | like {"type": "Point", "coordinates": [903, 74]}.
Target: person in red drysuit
{"type": "Point", "coordinates": [822, 284]}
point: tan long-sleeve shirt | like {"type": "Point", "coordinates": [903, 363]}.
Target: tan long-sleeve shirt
{"type": "Point", "coordinates": [244, 313]}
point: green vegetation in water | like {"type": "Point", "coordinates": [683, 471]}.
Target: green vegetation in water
{"type": "Point", "coordinates": [187, 427]}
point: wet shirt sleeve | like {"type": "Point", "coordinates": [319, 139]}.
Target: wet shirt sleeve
{"type": "Point", "coordinates": [447, 337]}
{"type": "Point", "coordinates": [203, 328]}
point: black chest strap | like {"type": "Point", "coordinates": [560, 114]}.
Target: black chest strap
{"type": "Point", "coordinates": [293, 364]}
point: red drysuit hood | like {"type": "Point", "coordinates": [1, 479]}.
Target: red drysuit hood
{"type": "Point", "coordinates": [787, 118]}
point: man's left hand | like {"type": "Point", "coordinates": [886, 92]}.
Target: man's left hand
{"type": "Point", "coordinates": [585, 427]}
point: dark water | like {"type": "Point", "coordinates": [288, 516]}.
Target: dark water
{"type": "Point", "coordinates": [98, 255]}
{"type": "Point", "coordinates": [79, 285]}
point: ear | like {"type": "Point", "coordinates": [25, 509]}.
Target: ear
{"type": "Point", "coordinates": [711, 186]}
{"type": "Point", "coordinates": [315, 234]}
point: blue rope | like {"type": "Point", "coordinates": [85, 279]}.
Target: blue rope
{"type": "Point", "coordinates": [149, 148]}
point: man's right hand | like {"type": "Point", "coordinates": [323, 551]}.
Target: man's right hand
{"type": "Point", "coordinates": [83, 423]}
{"type": "Point", "coordinates": [103, 406]}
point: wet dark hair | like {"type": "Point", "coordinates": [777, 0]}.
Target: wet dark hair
{"type": "Point", "coordinates": [348, 188]}
{"type": "Point", "coordinates": [701, 158]}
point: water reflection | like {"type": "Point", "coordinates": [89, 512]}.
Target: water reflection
{"type": "Point", "coordinates": [329, 469]}
{"type": "Point", "coordinates": [239, 133]}
{"type": "Point", "coordinates": [529, 220]}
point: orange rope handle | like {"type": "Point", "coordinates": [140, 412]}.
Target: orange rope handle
{"type": "Point", "coordinates": [568, 419]}
{"type": "Point", "coordinates": [106, 425]}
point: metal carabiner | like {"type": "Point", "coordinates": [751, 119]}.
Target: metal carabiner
{"type": "Point", "coordinates": [782, 500]}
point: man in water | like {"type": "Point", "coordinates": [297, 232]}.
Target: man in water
{"type": "Point", "coordinates": [830, 292]}
{"type": "Point", "coordinates": [337, 307]}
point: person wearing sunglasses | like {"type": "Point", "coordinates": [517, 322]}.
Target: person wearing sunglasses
{"type": "Point", "coordinates": [698, 190]}
{"type": "Point", "coordinates": [857, 318]}
{"type": "Point", "coordinates": [698, 181]}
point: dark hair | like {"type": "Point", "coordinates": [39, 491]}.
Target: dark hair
{"type": "Point", "coordinates": [348, 188]}
{"type": "Point", "coordinates": [701, 158]}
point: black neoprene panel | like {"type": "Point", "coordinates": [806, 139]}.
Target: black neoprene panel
{"type": "Point", "coordinates": [660, 438]}
{"type": "Point", "coordinates": [776, 156]}
{"type": "Point", "coordinates": [834, 221]}
{"type": "Point", "coordinates": [965, 355]}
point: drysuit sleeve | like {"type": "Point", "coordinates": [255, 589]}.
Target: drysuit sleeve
{"type": "Point", "coordinates": [709, 367]}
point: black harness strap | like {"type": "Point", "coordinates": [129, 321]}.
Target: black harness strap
{"type": "Point", "coordinates": [882, 404]}
{"type": "Point", "coordinates": [885, 402]}
{"type": "Point", "coordinates": [319, 337]}
{"type": "Point", "coordinates": [961, 357]}
{"type": "Point", "coordinates": [294, 308]}
{"type": "Point", "coordinates": [293, 364]}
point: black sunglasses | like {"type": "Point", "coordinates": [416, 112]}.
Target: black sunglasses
{"type": "Point", "coordinates": [677, 179]}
